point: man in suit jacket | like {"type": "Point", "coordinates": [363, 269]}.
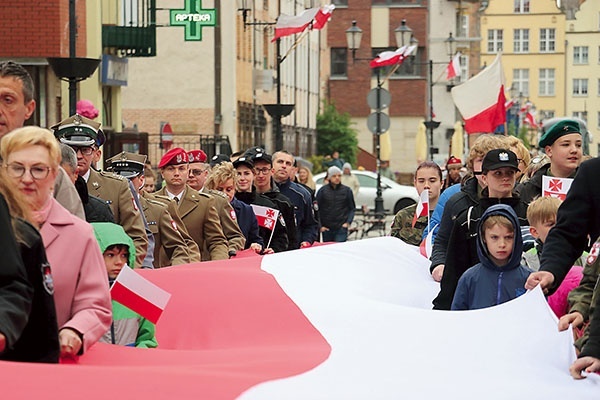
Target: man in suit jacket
{"type": "Point", "coordinates": [197, 210]}
{"type": "Point", "coordinates": [86, 137]}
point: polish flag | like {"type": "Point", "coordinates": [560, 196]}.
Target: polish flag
{"type": "Point", "coordinates": [140, 295]}
{"type": "Point", "coordinates": [422, 207]}
{"type": "Point", "coordinates": [387, 58]}
{"type": "Point", "coordinates": [266, 216]}
{"type": "Point", "coordinates": [509, 103]}
{"type": "Point", "coordinates": [291, 24]}
{"type": "Point", "coordinates": [453, 69]}
{"type": "Point", "coordinates": [529, 119]}
{"type": "Point", "coordinates": [481, 99]}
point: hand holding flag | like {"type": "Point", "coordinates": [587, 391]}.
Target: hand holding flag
{"type": "Point", "coordinates": [422, 206]}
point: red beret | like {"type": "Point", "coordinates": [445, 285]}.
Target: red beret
{"type": "Point", "coordinates": [197, 156]}
{"type": "Point", "coordinates": [175, 156]}
{"type": "Point", "coordinates": [454, 161]}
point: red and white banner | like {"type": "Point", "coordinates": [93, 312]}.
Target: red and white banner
{"type": "Point", "coordinates": [266, 216]}
{"type": "Point", "coordinates": [139, 294]}
{"type": "Point", "coordinates": [555, 187]}
{"type": "Point", "coordinates": [343, 321]}
{"type": "Point", "coordinates": [386, 58]}
{"type": "Point", "coordinates": [453, 68]}
{"type": "Point", "coordinates": [481, 100]}
{"type": "Point", "coordinates": [422, 207]}
{"type": "Point", "coordinates": [287, 25]}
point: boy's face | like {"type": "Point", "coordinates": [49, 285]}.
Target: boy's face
{"type": "Point", "coordinates": [541, 230]}
{"type": "Point", "coordinates": [115, 259]}
{"type": "Point", "coordinates": [499, 241]}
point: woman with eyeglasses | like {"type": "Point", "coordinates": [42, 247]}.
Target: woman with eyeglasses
{"type": "Point", "coordinates": [31, 156]}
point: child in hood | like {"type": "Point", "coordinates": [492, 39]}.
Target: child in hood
{"type": "Point", "coordinates": [499, 276]}
{"type": "Point", "coordinates": [127, 328]}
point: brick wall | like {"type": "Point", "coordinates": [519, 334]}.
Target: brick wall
{"type": "Point", "coordinates": [182, 120]}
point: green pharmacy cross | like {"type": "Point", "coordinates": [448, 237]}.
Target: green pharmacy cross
{"type": "Point", "coordinates": [193, 18]}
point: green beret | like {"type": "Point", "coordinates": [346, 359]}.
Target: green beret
{"type": "Point", "coordinates": [561, 128]}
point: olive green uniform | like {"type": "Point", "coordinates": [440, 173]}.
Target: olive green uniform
{"type": "Point", "coordinates": [235, 238]}
{"type": "Point", "coordinates": [402, 226]}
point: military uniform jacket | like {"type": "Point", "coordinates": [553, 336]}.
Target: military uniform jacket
{"type": "Point", "coordinates": [200, 217]}
{"type": "Point", "coordinates": [402, 226]}
{"type": "Point", "coordinates": [114, 189]}
{"type": "Point", "coordinates": [169, 246]}
{"type": "Point", "coordinates": [235, 238]}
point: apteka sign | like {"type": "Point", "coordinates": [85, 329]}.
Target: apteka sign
{"type": "Point", "coordinates": [193, 18]}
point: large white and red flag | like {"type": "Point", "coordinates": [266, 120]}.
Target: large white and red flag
{"type": "Point", "coordinates": [422, 207]}
{"type": "Point", "coordinates": [453, 68]}
{"type": "Point", "coordinates": [139, 294]}
{"type": "Point", "coordinates": [481, 100]}
{"type": "Point", "coordinates": [387, 58]}
{"type": "Point", "coordinates": [298, 324]}
{"type": "Point", "coordinates": [313, 18]}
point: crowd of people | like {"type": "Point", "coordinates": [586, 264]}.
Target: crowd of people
{"type": "Point", "coordinates": [69, 228]}
{"type": "Point", "coordinates": [503, 228]}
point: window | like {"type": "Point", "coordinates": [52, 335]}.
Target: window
{"type": "Point", "coordinates": [582, 115]}
{"type": "Point", "coordinates": [580, 87]}
{"type": "Point", "coordinates": [580, 55]}
{"type": "Point", "coordinates": [464, 68]}
{"type": "Point", "coordinates": [463, 26]}
{"type": "Point", "coordinates": [494, 40]}
{"type": "Point", "coordinates": [521, 81]}
{"type": "Point", "coordinates": [342, 3]}
{"type": "Point", "coordinates": [521, 41]}
{"type": "Point", "coordinates": [546, 83]}
{"type": "Point", "coordinates": [546, 114]}
{"type": "Point", "coordinates": [339, 61]}
{"type": "Point", "coordinates": [521, 6]}
{"type": "Point", "coordinates": [547, 40]}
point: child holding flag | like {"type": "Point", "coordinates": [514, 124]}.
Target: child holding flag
{"type": "Point", "coordinates": [410, 222]}
{"type": "Point", "coordinates": [127, 328]}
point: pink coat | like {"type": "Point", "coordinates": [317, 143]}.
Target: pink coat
{"type": "Point", "coordinates": [81, 291]}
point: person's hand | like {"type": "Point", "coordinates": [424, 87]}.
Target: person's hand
{"type": "Point", "coordinates": [256, 247]}
{"type": "Point", "coordinates": [305, 244]}
{"type": "Point", "coordinates": [323, 229]}
{"type": "Point", "coordinates": [587, 364]}
{"type": "Point", "coordinates": [543, 278]}
{"type": "Point", "coordinates": [268, 250]}
{"type": "Point", "coordinates": [437, 273]}
{"type": "Point", "coordinates": [70, 342]}
{"type": "Point", "coordinates": [575, 318]}
{"type": "Point", "coordinates": [2, 342]}
{"type": "Point", "coordinates": [345, 225]}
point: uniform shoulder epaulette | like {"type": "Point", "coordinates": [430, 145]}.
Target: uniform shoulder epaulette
{"type": "Point", "coordinates": [158, 197]}
{"type": "Point", "coordinates": [111, 175]}
{"type": "Point", "coordinates": [201, 194]}
{"type": "Point", "coordinates": [157, 202]}
{"type": "Point", "coordinates": [217, 193]}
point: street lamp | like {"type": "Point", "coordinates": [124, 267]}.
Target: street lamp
{"type": "Point", "coordinates": [378, 98]}
{"type": "Point", "coordinates": [278, 110]}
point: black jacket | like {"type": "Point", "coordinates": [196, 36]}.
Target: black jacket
{"type": "Point", "coordinates": [39, 340]}
{"type": "Point", "coordinates": [462, 246]}
{"type": "Point", "coordinates": [530, 190]}
{"type": "Point", "coordinates": [336, 205]}
{"type": "Point", "coordinates": [286, 208]}
{"type": "Point", "coordinates": [96, 209]}
{"type": "Point", "coordinates": [578, 217]}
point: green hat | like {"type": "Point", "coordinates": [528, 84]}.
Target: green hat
{"type": "Point", "coordinates": [79, 131]}
{"type": "Point", "coordinates": [561, 128]}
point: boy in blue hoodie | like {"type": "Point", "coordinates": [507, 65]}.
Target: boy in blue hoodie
{"type": "Point", "coordinates": [127, 328]}
{"type": "Point", "coordinates": [499, 276]}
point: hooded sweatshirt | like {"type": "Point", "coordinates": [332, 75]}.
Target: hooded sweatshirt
{"type": "Point", "coordinates": [128, 328]}
{"type": "Point", "coordinates": [486, 284]}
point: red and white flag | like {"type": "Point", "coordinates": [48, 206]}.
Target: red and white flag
{"type": "Point", "coordinates": [139, 294]}
{"type": "Point", "coordinates": [481, 99]}
{"type": "Point", "coordinates": [387, 58]}
{"type": "Point", "coordinates": [291, 24]}
{"type": "Point", "coordinates": [556, 187]}
{"type": "Point", "coordinates": [508, 104]}
{"type": "Point", "coordinates": [422, 207]}
{"type": "Point", "coordinates": [453, 68]}
{"type": "Point", "coordinates": [266, 216]}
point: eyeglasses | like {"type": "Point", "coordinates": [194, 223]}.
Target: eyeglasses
{"type": "Point", "coordinates": [37, 172]}
{"type": "Point", "coordinates": [262, 170]}
{"type": "Point", "coordinates": [85, 151]}
{"type": "Point", "coordinates": [196, 172]}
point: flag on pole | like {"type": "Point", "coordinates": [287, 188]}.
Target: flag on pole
{"type": "Point", "coordinates": [426, 246]}
{"type": "Point", "coordinates": [387, 58]}
{"type": "Point", "coordinates": [266, 216]}
{"type": "Point", "coordinates": [481, 99]}
{"type": "Point", "coordinates": [453, 69]}
{"type": "Point", "coordinates": [291, 24]}
{"type": "Point", "coordinates": [422, 207]}
{"type": "Point", "coordinates": [139, 294]}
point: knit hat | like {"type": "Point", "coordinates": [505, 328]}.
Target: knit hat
{"type": "Point", "coordinates": [347, 165]}
{"type": "Point", "coordinates": [333, 170]}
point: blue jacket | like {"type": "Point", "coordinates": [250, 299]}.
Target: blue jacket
{"type": "Point", "coordinates": [306, 225]}
{"type": "Point", "coordinates": [247, 222]}
{"type": "Point", "coordinates": [486, 284]}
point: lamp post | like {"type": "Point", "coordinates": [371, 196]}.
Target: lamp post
{"type": "Point", "coordinates": [378, 98]}
{"type": "Point", "coordinates": [277, 110]}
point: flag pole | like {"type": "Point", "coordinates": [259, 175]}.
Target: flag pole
{"type": "Point", "coordinates": [296, 43]}
{"type": "Point", "coordinates": [272, 231]}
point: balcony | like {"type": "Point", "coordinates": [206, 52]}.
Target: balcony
{"type": "Point", "coordinates": [129, 27]}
